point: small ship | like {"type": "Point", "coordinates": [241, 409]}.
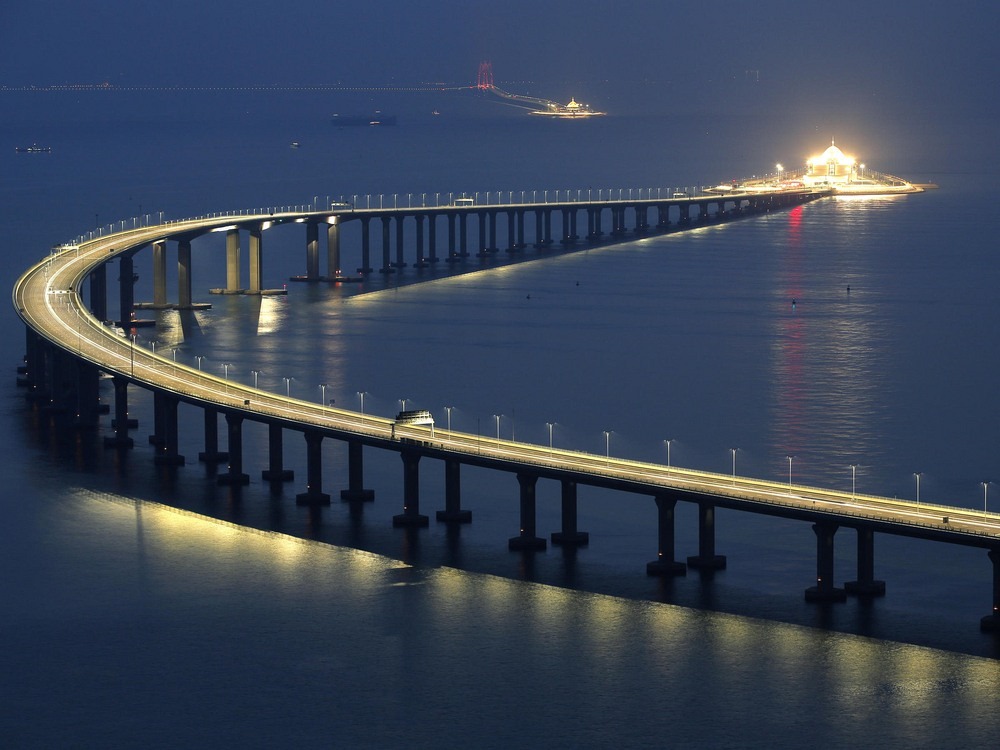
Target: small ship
{"type": "Point", "coordinates": [376, 118]}
{"type": "Point", "coordinates": [34, 148]}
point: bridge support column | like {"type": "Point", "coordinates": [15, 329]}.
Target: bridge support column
{"type": "Point", "coordinates": [88, 398]}
{"type": "Point", "coordinates": [314, 494]}
{"type": "Point", "coordinates": [662, 217]}
{"type": "Point", "coordinates": [235, 475]}
{"type": "Point", "coordinates": [411, 492]}
{"type": "Point", "coordinates": [463, 235]}
{"type": "Point", "coordinates": [366, 247]}
{"type": "Point", "coordinates": [126, 290]}
{"type": "Point", "coordinates": [991, 623]}
{"type": "Point", "coordinates": [256, 259]}
{"type": "Point", "coordinates": [866, 585]}
{"type": "Point", "coordinates": [166, 448]}
{"type": "Point", "coordinates": [386, 264]}
{"type": "Point", "coordinates": [665, 564]}
{"type": "Point", "coordinates": [432, 238]}
{"type": "Point", "coordinates": [160, 274]}
{"type": "Point", "coordinates": [212, 454]}
{"type": "Point", "coordinates": [539, 229]}
{"type": "Point", "coordinates": [453, 512]}
{"type": "Point", "coordinates": [452, 252]}
{"type": "Point", "coordinates": [156, 438]}
{"type": "Point", "coordinates": [356, 474]}
{"type": "Point", "coordinates": [99, 292]}
{"type": "Point", "coordinates": [333, 249]}
{"type": "Point", "coordinates": [569, 536]}
{"type": "Point", "coordinates": [824, 590]}
{"type": "Point", "coordinates": [312, 251]}
{"type": "Point", "coordinates": [511, 232]}
{"type": "Point", "coordinates": [493, 232]}
{"type": "Point", "coordinates": [573, 236]}
{"type": "Point", "coordinates": [482, 235]}
{"type": "Point", "coordinates": [706, 559]}
{"type": "Point", "coordinates": [121, 422]}
{"type": "Point", "coordinates": [547, 227]}
{"type": "Point", "coordinates": [520, 230]}
{"type": "Point", "coordinates": [400, 262]}
{"type": "Point", "coordinates": [527, 540]}
{"type": "Point", "coordinates": [421, 260]}
{"type": "Point", "coordinates": [184, 274]}
{"type": "Point", "coordinates": [566, 233]}
{"type": "Point", "coordinates": [276, 471]}
{"type": "Point", "coordinates": [641, 220]}
{"type": "Point", "coordinates": [233, 262]}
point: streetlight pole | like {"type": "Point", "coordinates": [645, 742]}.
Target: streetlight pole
{"type": "Point", "coordinates": [225, 370]}
{"type": "Point", "coordinates": [497, 418]}
{"type": "Point", "coordinates": [789, 469]}
{"type": "Point", "coordinates": [288, 387]}
{"type": "Point", "coordinates": [322, 394]}
{"type": "Point", "coordinates": [667, 442]}
{"type": "Point", "coordinates": [132, 356]}
{"type": "Point", "coordinates": [362, 395]}
{"type": "Point", "coordinates": [255, 373]}
{"type": "Point", "coordinates": [733, 451]}
{"type": "Point", "coordinates": [985, 487]}
{"type": "Point", "coordinates": [550, 425]}
{"type": "Point", "coordinates": [198, 358]}
{"type": "Point", "coordinates": [447, 410]}
{"type": "Point", "coordinates": [607, 447]}
{"type": "Point", "coordinates": [917, 475]}
{"type": "Point", "coordinates": [854, 479]}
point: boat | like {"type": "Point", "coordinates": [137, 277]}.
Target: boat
{"type": "Point", "coordinates": [376, 118]}
{"type": "Point", "coordinates": [34, 148]}
{"type": "Point", "coordinates": [295, 144]}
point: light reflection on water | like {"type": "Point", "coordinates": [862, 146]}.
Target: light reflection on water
{"type": "Point", "coordinates": [327, 625]}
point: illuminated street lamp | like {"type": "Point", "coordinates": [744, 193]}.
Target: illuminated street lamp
{"type": "Point", "coordinates": [198, 358]}
{"type": "Point", "coordinates": [322, 393]}
{"type": "Point", "coordinates": [733, 451]}
{"type": "Point", "coordinates": [550, 425]}
{"type": "Point", "coordinates": [447, 411]}
{"type": "Point", "coordinates": [255, 374]}
{"type": "Point", "coordinates": [789, 469]}
{"type": "Point", "coordinates": [288, 387]}
{"type": "Point", "coordinates": [607, 446]}
{"type": "Point", "coordinates": [362, 395]}
{"type": "Point", "coordinates": [854, 478]}
{"type": "Point", "coordinates": [497, 418]}
{"type": "Point", "coordinates": [918, 474]}
{"type": "Point", "coordinates": [667, 443]}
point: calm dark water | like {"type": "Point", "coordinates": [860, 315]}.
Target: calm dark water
{"type": "Point", "coordinates": [147, 606]}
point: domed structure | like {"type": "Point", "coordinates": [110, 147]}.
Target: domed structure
{"type": "Point", "coordinates": [832, 167]}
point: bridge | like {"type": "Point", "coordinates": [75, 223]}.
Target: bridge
{"type": "Point", "coordinates": [69, 344]}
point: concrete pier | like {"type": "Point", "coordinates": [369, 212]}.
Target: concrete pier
{"type": "Point", "coordinates": [355, 475]}
{"type": "Point", "coordinates": [824, 590]}
{"type": "Point", "coordinates": [866, 585]}
{"type": "Point", "coordinates": [314, 494]}
{"type": "Point", "coordinates": [276, 471]}
{"type": "Point", "coordinates": [569, 535]}
{"type": "Point", "coordinates": [411, 515]}
{"type": "Point", "coordinates": [527, 539]}
{"type": "Point", "coordinates": [706, 559]}
{"type": "Point", "coordinates": [453, 512]}
{"type": "Point", "coordinates": [235, 476]}
{"type": "Point", "coordinates": [665, 564]}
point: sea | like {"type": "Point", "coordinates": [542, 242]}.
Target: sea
{"type": "Point", "coordinates": [844, 343]}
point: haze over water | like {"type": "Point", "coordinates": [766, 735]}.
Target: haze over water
{"type": "Point", "coordinates": [150, 606]}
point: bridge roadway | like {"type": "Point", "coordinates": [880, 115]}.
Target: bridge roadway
{"type": "Point", "coordinates": [47, 298]}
